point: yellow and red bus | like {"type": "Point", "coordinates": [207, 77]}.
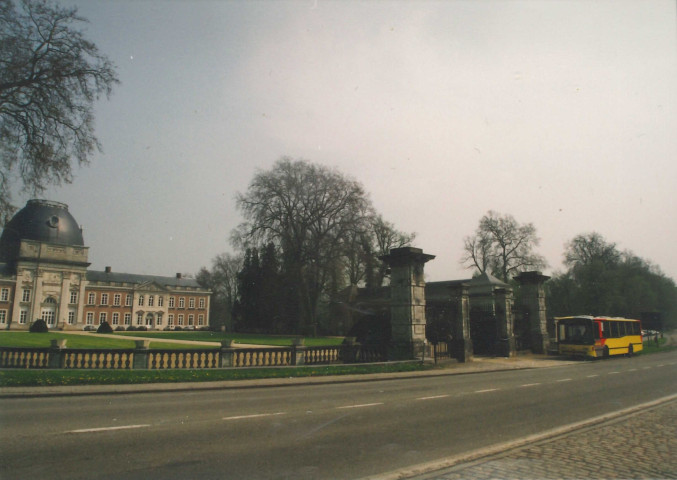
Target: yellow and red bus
{"type": "Point", "coordinates": [589, 336]}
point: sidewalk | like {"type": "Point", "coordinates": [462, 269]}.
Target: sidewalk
{"type": "Point", "coordinates": [640, 445]}
{"type": "Point", "coordinates": [480, 364]}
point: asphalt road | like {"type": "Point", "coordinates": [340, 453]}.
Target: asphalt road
{"type": "Point", "coordinates": [317, 431]}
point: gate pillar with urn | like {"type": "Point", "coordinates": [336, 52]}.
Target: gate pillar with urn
{"type": "Point", "coordinates": [407, 301]}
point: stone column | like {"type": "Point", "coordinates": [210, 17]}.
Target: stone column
{"type": "Point", "coordinates": [532, 303]}
{"type": "Point", "coordinates": [407, 301]}
{"type": "Point", "coordinates": [505, 343]}
{"type": "Point", "coordinates": [462, 343]}
{"type": "Point", "coordinates": [141, 356]}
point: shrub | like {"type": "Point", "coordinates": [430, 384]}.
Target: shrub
{"type": "Point", "coordinates": [120, 328]}
{"type": "Point", "coordinates": [177, 328]}
{"type": "Point", "coordinates": [104, 328]}
{"type": "Point", "coordinates": [89, 328]}
{"type": "Point", "coordinates": [141, 328]}
{"type": "Point", "coordinates": [131, 328]}
{"type": "Point", "coordinates": [38, 326]}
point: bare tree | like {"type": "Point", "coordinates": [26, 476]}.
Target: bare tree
{"type": "Point", "coordinates": [308, 211]}
{"type": "Point", "coordinates": [502, 246]}
{"type": "Point", "coordinates": [50, 76]}
{"type": "Point", "coordinates": [222, 281]}
{"type": "Point", "coordinates": [586, 249]}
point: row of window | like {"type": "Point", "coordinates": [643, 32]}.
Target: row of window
{"type": "Point", "coordinates": [49, 317]}
{"type": "Point", "coordinates": [149, 319]}
{"type": "Point", "coordinates": [150, 300]}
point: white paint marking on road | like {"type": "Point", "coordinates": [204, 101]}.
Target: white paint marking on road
{"type": "Point", "coordinates": [593, 376]}
{"type": "Point", "coordinates": [256, 415]}
{"type": "Point", "coordinates": [614, 373]}
{"type": "Point", "coordinates": [433, 397]}
{"type": "Point", "coordinates": [529, 384]}
{"type": "Point", "coordinates": [660, 365]}
{"type": "Point", "coordinates": [564, 380]}
{"type": "Point", "coordinates": [632, 370]}
{"type": "Point", "coordinates": [487, 390]}
{"type": "Point", "coordinates": [107, 429]}
{"type": "Point", "coordinates": [646, 368]}
{"type": "Point", "coordinates": [360, 406]}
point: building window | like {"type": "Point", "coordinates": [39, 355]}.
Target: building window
{"type": "Point", "coordinates": [74, 298]}
{"type": "Point", "coordinates": [23, 316]}
{"type": "Point", "coordinates": [159, 319]}
{"type": "Point", "coordinates": [191, 303]}
{"type": "Point", "coordinates": [90, 318]}
{"type": "Point", "coordinates": [181, 319]}
{"type": "Point", "coordinates": [48, 317]}
{"type": "Point", "coordinates": [170, 319]}
{"type": "Point", "coordinates": [171, 302]}
{"type": "Point", "coordinates": [149, 320]}
{"type": "Point", "coordinates": [104, 299]}
{"type": "Point", "coordinates": [200, 319]}
{"type": "Point", "coordinates": [71, 317]}
{"type": "Point", "coordinates": [3, 316]}
{"type": "Point", "coordinates": [141, 299]}
{"type": "Point", "coordinates": [4, 295]}
{"type": "Point", "coordinates": [116, 318]}
{"type": "Point", "coordinates": [91, 299]}
{"type": "Point", "coordinates": [151, 300]}
{"type": "Point", "coordinates": [160, 301]}
{"type": "Point", "coordinates": [128, 318]}
{"type": "Point", "coordinates": [116, 299]}
{"type": "Point", "coordinates": [139, 318]}
{"type": "Point", "coordinates": [26, 295]}
{"type": "Point", "coordinates": [102, 317]}
{"type": "Point", "coordinates": [190, 319]}
{"type": "Point", "coordinates": [128, 300]}
{"type": "Point", "coordinates": [202, 303]}
{"type": "Point", "coordinates": [182, 302]}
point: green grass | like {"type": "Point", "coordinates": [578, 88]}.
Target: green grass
{"type": "Point", "coordinates": [91, 340]}
{"type": "Point", "coordinates": [30, 378]}
{"type": "Point", "coordinates": [650, 346]}
{"type": "Point", "coordinates": [249, 338]}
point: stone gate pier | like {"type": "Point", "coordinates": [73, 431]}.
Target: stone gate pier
{"type": "Point", "coordinates": [407, 301]}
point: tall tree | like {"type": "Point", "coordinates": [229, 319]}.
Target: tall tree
{"type": "Point", "coordinates": [502, 246]}
{"type": "Point", "coordinates": [307, 211]}
{"type": "Point", "coordinates": [50, 76]}
{"type": "Point", "coordinates": [587, 249]}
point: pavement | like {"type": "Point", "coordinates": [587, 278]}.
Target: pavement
{"type": "Point", "coordinates": [640, 444]}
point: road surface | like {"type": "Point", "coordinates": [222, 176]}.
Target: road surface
{"type": "Point", "coordinates": [334, 431]}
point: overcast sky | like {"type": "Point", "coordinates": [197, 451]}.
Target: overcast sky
{"type": "Point", "coordinates": [560, 113]}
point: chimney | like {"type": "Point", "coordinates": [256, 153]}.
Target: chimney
{"type": "Point", "coordinates": [178, 275]}
{"type": "Point", "coordinates": [108, 269]}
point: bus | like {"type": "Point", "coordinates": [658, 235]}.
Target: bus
{"type": "Point", "coordinates": [593, 337]}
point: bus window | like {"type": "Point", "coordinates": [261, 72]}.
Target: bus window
{"type": "Point", "coordinates": [606, 329]}
{"type": "Point", "coordinates": [614, 329]}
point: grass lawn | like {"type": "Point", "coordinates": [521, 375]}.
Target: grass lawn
{"type": "Point", "coordinates": [92, 340]}
{"type": "Point", "coordinates": [250, 338]}
{"type": "Point", "coordinates": [30, 378]}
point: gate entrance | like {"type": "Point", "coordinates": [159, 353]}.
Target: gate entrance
{"type": "Point", "coordinates": [483, 331]}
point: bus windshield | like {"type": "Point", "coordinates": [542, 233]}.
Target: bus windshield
{"type": "Point", "coordinates": [577, 331]}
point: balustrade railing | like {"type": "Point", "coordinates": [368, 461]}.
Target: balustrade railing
{"type": "Point", "coordinates": [142, 357]}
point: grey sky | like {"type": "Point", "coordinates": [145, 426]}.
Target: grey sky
{"type": "Point", "coordinates": [561, 113]}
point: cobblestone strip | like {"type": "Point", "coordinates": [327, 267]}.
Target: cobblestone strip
{"type": "Point", "coordinates": [642, 445]}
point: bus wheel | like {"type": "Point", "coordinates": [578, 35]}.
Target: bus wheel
{"type": "Point", "coordinates": [605, 352]}
{"type": "Point", "coordinates": [630, 350]}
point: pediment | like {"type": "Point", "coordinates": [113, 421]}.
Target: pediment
{"type": "Point", "coordinates": [151, 287]}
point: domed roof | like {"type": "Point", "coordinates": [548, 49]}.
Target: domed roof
{"type": "Point", "coordinates": [42, 221]}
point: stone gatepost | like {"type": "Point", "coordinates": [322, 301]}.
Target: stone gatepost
{"type": "Point", "coordinates": [532, 303]}
{"type": "Point", "coordinates": [505, 344]}
{"type": "Point", "coordinates": [407, 301]}
{"type": "Point", "coordinates": [461, 343]}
